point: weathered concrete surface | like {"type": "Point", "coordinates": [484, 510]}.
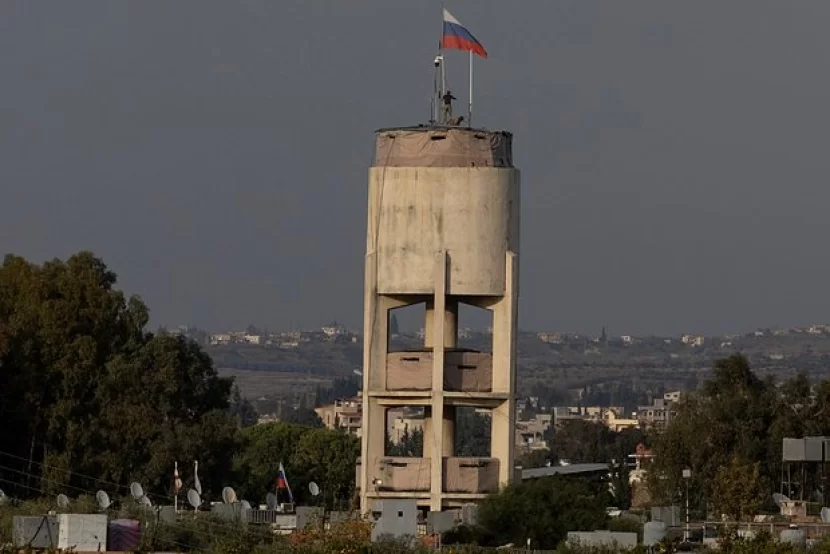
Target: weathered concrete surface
{"type": "Point", "coordinates": [443, 229]}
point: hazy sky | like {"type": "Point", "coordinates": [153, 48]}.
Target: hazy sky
{"type": "Point", "coordinates": [673, 154]}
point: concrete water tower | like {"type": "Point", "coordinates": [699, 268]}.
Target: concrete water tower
{"type": "Point", "coordinates": [443, 230]}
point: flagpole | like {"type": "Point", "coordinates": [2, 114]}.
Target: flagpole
{"type": "Point", "coordinates": [470, 102]}
{"type": "Point", "coordinates": [441, 46]}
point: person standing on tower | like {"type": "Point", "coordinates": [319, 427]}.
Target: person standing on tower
{"type": "Point", "coordinates": [447, 108]}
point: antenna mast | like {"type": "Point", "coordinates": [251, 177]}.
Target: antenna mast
{"type": "Point", "coordinates": [443, 69]}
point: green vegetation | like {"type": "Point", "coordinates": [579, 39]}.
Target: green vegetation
{"type": "Point", "coordinates": [729, 434]}
{"type": "Point", "coordinates": [321, 455]}
{"type": "Point", "coordinates": [85, 391]}
{"type": "Point", "coordinates": [542, 510]}
{"type": "Point", "coordinates": [89, 400]}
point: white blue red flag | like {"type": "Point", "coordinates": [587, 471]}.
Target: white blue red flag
{"type": "Point", "coordinates": [282, 483]}
{"type": "Point", "coordinates": [456, 36]}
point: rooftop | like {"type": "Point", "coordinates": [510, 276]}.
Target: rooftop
{"type": "Point", "coordinates": [442, 146]}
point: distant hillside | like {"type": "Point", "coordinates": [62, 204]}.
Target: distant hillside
{"type": "Point", "coordinates": [645, 365]}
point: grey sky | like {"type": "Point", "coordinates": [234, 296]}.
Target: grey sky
{"type": "Point", "coordinates": [673, 154]}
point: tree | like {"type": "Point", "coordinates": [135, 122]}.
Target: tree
{"type": "Point", "coordinates": [308, 454]}
{"type": "Point", "coordinates": [739, 489]}
{"type": "Point", "coordinates": [472, 433]}
{"type": "Point", "coordinates": [619, 485]}
{"type": "Point", "coordinates": [410, 445]}
{"type": "Point", "coordinates": [535, 458]}
{"type": "Point", "coordinates": [263, 447]}
{"type": "Point", "coordinates": [542, 510]}
{"type": "Point", "coordinates": [329, 458]}
{"type": "Point", "coordinates": [732, 415]}
{"type": "Point", "coordinates": [341, 387]}
{"type": "Point", "coordinates": [86, 391]}
{"type": "Point", "coordinates": [580, 441]}
{"type": "Point", "coordinates": [166, 404]}
{"type": "Point", "coordinates": [242, 410]}
{"type": "Point", "coordinates": [302, 416]}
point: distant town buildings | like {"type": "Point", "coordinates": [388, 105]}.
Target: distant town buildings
{"type": "Point", "coordinates": [404, 421]}
{"type": "Point", "coordinates": [531, 432]}
{"type": "Point", "coordinates": [660, 412]}
{"type": "Point", "coordinates": [612, 417]}
{"type": "Point", "coordinates": [345, 415]}
{"type": "Point", "coordinates": [338, 333]}
{"type": "Point", "coordinates": [333, 332]}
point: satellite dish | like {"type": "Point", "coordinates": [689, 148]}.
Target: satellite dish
{"type": "Point", "coordinates": [194, 498]}
{"type": "Point", "coordinates": [271, 501]}
{"type": "Point", "coordinates": [246, 504]}
{"type": "Point", "coordinates": [779, 498]}
{"type": "Point", "coordinates": [63, 501]}
{"type": "Point", "coordinates": [228, 495]}
{"type": "Point", "coordinates": [136, 490]}
{"type": "Point", "coordinates": [103, 500]}
{"type": "Point", "coordinates": [144, 501]}
{"type": "Point", "coordinates": [313, 489]}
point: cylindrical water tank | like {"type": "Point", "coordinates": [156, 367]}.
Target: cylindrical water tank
{"type": "Point", "coordinates": [653, 532]}
{"type": "Point", "coordinates": [443, 190]}
{"type": "Point", "coordinates": [794, 535]}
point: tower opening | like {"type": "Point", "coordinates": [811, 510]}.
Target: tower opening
{"type": "Point", "coordinates": [441, 308]}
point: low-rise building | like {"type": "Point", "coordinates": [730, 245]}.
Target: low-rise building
{"type": "Point", "coordinates": [692, 340]}
{"type": "Point", "coordinates": [530, 434]}
{"type": "Point", "coordinates": [334, 330]}
{"type": "Point", "coordinates": [563, 414]}
{"type": "Point", "coordinates": [345, 415]}
{"type": "Point", "coordinates": [616, 421]}
{"type": "Point", "coordinates": [220, 339]}
{"type": "Point", "coordinates": [252, 339]}
{"type": "Point", "coordinates": [661, 410]}
{"type": "Point", "coordinates": [403, 421]}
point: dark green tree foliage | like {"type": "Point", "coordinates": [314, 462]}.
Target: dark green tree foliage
{"type": "Point", "coordinates": [472, 433]}
{"type": "Point", "coordinates": [263, 448]}
{"type": "Point", "coordinates": [411, 444]}
{"type": "Point", "coordinates": [736, 418]}
{"type": "Point", "coordinates": [580, 441]}
{"type": "Point", "coordinates": [84, 390]}
{"type": "Point", "coordinates": [549, 395]}
{"type": "Point", "coordinates": [619, 486]}
{"type": "Point", "coordinates": [321, 455]}
{"type": "Point", "coordinates": [535, 458]}
{"type": "Point", "coordinates": [341, 387]}
{"type": "Point", "coordinates": [543, 510]}
{"type": "Point", "coordinates": [302, 416]}
{"type": "Point", "coordinates": [242, 410]}
{"type": "Point", "coordinates": [329, 459]}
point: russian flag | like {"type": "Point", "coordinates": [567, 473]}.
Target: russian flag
{"type": "Point", "coordinates": [282, 483]}
{"type": "Point", "coordinates": [458, 37]}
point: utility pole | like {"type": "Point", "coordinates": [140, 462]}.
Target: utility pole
{"type": "Point", "coordinates": [687, 475]}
